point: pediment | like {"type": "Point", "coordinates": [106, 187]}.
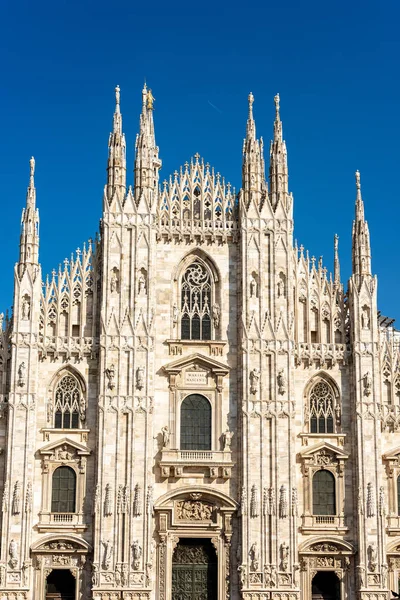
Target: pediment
{"type": "Point", "coordinates": [196, 361]}
{"type": "Point", "coordinates": [392, 454]}
{"type": "Point", "coordinates": [66, 445]}
{"type": "Point", "coordinates": [323, 449]}
{"type": "Point", "coordinates": [66, 543]}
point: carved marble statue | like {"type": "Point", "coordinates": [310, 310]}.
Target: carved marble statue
{"type": "Point", "coordinates": [165, 432]}
{"type": "Point", "coordinates": [254, 554]}
{"type": "Point", "coordinates": [140, 371]}
{"type": "Point", "coordinates": [227, 439]}
{"type": "Point", "coordinates": [22, 374]}
{"type": "Point", "coordinates": [254, 380]}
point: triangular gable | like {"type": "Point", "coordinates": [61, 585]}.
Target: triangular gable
{"type": "Point", "coordinates": [80, 448]}
{"type": "Point", "coordinates": [213, 365]}
{"type": "Point", "coordinates": [309, 452]}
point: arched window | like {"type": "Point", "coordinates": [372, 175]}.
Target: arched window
{"type": "Point", "coordinates": [321, 408]}
{"type": "Point", "coordinates": [324, 498]}
{"type": "Point", "coordinates": [67, 403]}
{"type": "Point", "coordinates": [63, 490]}
{"type": "Point", "coordinates": [196, 303]}
{"type": "Point", "coordinates": [398, 495]}
{"type": "Point", "coordinates": [195, 423]}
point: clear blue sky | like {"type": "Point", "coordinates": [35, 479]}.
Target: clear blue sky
{"type": "Point", "coordinates": [335, 65]}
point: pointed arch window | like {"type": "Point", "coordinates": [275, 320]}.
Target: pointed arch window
{"type": "Point", "coordinates": [195, 423]}
{"type": "Point", "coordinates": [196, 303]}
{"type": "Point", "coordinates": [69, 403]}
{"type": "Point", "coordinates": [63, 491]}
{"type": "Point", "coordinates": [324, 493]}
{"type": "Point", "coordinates": [321, 408]}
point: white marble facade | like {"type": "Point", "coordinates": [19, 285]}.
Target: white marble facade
{"type": "Point", "coordinates": [301, 385]}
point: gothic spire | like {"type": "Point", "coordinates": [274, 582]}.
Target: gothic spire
{"type": "Point", "coordinates": [253, 169]}
{"type": "Point", "coordinates": [116, 167]}
{"type": "Point", "coordinates": [336, 267]}
{"type": "Point", "coordinates": [147, 162]}
{"type": "Point", "coordinates": [278, 169]}
{"type": "Point", "coordinates": [361, 241]}
{"type": "Point", "coordinates": [29, 239]}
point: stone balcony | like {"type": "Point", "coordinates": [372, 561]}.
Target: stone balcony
{"type": "Point", "coordinates": [324, 523]}
{"type": "Point", "coordinates": [204, 463]}
{"type": "Point", "coordinates": [61, 522]}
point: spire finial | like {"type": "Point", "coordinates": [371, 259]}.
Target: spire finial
{"type": "Point", "coordinates": [31, 188]}
{"type": "Point", "coordinates": [251, 100]}
{"type": "Point", "coordinates": [336, 263]}
{"type": "Point", "coordinates": [358, 184]}
{"type": "Point", "coordinates": [277, 101]}
{"type": "Point", "coordinates": [117, 95]}
{"type": "Point", "coordinates": [32, 166]}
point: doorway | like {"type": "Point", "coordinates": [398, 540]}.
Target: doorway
{"type": "Point", "coordinates": [325, 586]}
{"type": "Point", "coordinates": [194, 570]}
{"type": "Point", "coordinates": [60, 585]}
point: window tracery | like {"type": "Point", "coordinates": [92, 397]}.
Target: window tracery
{"type": "Point", "coordinates": [69, 404]}
{"type": "Point", "coordinates": [196, 303]}
{"type": "Point", "coordinates": [321, 408]}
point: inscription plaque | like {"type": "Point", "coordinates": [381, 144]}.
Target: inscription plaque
{"type": "Point", "coordinates": [196, 377]}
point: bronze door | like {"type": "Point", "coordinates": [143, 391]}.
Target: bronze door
{"type": "Point", "coordinates": [194, 571]}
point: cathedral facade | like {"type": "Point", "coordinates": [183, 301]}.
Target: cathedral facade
{"type": "Point", "coordinates": [191, 408]}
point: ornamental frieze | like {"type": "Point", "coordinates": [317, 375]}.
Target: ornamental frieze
{"type": "Point", "coordinates": [194, 510]}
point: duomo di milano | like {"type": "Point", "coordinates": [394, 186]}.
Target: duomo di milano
{"type": "Point", "coordinates": [192, 408]}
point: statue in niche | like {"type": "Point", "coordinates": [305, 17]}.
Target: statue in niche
{"type": "Point", "coordinates": [254, 554]}
{"type": "Point", "coordinates": [282, 383]}
{"type": "Point", "coordinates": [15, 507]}
{"type": "Point", "coordinates": [110, 374]}
{"type": "Point", "coordinates": [82, 409]}
{"type": "Point", "coordinates": [373, 557]}
{"type": "Point", "coordinates": [285, 556]}
{"type": "Point", "coordinates": [367, 379]}
{"type": "Point", "coordinates": [108, 550]}
{"type": "Point", "coordinates": [253, 287]}
{"type": "Point", "coordinates": [26, 308]}
{"type": "Point", "coordinates": [137, 554]}
{"type": "Point", "coordinates": [140, 378]}
{"type": "Point", "coordinates": [254, 380]}
{"type": "Point", "coordinates": [216, 313]}
{"type": "Point", "coordinates": [175, 313]}
{"type": "Point", "coordinates": [165, 432]}
{"type": "Point", "coordinates": [142, 283]}
{"type": "Point", "coordinates": [227, 439]}
{"type": "Point", "coordinates": [114, 280]}
{"type": "Point", "coordinates": [365, 318]}
{"type": "Point", "coordinates": [22, 374]}
{"type": "Point", "coordinates": [13, 552]}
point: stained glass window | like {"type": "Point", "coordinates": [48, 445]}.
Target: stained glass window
{"type": "Point", "coordinates": [196, 303]}
{"type": "Point", "coordinates": [63, 490]}
{"type": "Point", "coordinates": [324, 501]}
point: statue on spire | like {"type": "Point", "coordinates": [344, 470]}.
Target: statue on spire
{"type": "Point", "coordinates": [277, 100]}
{"type": "Point", "coordinates": [358, 184]}
{"type": "Point", "coordinates": [32, 166]}
{"type": "Point", "coordinates": [117, 94]}
{"type": "Point", "coordinates": [150, 100]}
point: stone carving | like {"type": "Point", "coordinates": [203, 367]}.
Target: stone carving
{"type": "Point", "coordinates": [254, 503]}
{"type": "Point", "coordinates": [370, 500]}
{"type": "Point", "coordinates": [108, 551]}
{"type": "Point", "coordinates": [149, 500]}
{"type": "Point", "coordinates": [254, 380]}
{"type": "Point", "coordinates": [4, 505]}
{"type": "Point", "coordinates": [26, 308]}
{"type": "Point", "coordinates": [242, 575]}
{"type": "Point", "coordinates": [360, 502]}
{"type": "Point", "coordinates": [270, 575]}
{"type": "Point", "coordinates": [108, 501]}
{"type": "Point", "coordinates": [110, 374]}
{"type": "Point", "coordinates": [13, 553]}
{"type": "Point", "coordinates": [137, 501]}
{"type": "Point", "coordinates": [243, 501]}
{"type": "Point", "coordinates": [324, 458]}
{"type": "Point", "coordinates": [284, 556]}
{"type": "Point", "coordinates": [136, 554]}
{"type": "Point", "coordinates": [367, 382]}
{"type": "Point", "coordinates": [295, 502]}
{"type": "Point", "coordinates": [16, 500]}
{"type": "Point", "coordinates": [96, 500]}
{"type": "Point", "coordinates": [216, 314]}
{"type": "Point", "coordinates": [114, 280]}
{"type": "Point", "coordinates": [324, 547]}
{"type": "Point", "coordinates": [227, 439]}
{"type": "Point", "coordinates": [372, 555]}
{"type": "Point", "coordinates": [281, 286]}
{"type": "Point", "coordinates": [365, 320]}
{"type": "Point", "coordinates": [282, 383]}
{"type": "Point", "coordinates": [22, 374]}
{"type": "Point", "coordinates": [175, 313]}
{"type": "Point", "coordinates": [382, 502]}
{"type": "Point", "coordinates": [283, 502]}
{"type": "Point", "coordinates": [194, 510]}
{"type": "Point", "coordinates": [28, 497]}
{"type": "Point", "coordinates": [60, 545]}
{"type": "Point", "coordinates": [254, 554]}
{"type": "Point", "coordinates": [140, 371]}
{"type": "Point", "coordinates": [63, 453]}
{"type": "Point", "coordinates": [166, 434]}
{"type": "Point", "coordinates": [124, 575]}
